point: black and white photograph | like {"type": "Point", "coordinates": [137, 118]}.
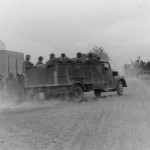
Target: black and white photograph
{"type": "Point", "coordinates": [74, 75]}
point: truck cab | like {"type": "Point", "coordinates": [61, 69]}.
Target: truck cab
{"type": "Point", "coordinates": [110, 76]}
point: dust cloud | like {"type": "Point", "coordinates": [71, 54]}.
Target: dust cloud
{"type": "Point", "coordinates": [141, 85]}
{"type": "Point", "coordinates": [15, 104]}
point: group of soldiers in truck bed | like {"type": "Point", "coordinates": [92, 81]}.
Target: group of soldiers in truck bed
{"type": "Point", "coordinates": [63, 59]}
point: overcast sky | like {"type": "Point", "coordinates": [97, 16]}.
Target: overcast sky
{"type": "Point", "coordinates": [39, 27]}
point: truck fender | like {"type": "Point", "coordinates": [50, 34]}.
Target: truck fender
{"type": "Point", "coordinates": [123, 82]}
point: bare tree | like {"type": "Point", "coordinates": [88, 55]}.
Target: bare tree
{"type": "Point", "coordinates": [100, 52]}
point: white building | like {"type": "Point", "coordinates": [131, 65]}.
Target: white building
{"type": "Point", "coordinates": [11, 61]}
{"type": "Point", "coordinates": [2, 45]}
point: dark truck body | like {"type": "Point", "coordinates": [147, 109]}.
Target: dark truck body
{"type": "Point", "coordinates": [65, 76]}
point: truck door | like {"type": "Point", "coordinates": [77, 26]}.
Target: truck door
{"type": "Point", "coordinates": [108, 77]}
{"type": "Point", "coordinates": [98, 72]}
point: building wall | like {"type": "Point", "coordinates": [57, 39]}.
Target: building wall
{"type": "Point", "coordinates": [11, 61]}
{"type": "Point", "coordinates": [2, 45]}
{"type": "Point", "coordinates": [3, 65]}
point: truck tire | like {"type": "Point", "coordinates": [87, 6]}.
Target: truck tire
{"type": "Point", "coordinates": [77, 93]}
{"type": "Point", "coordinates": [120, 88]}
{"type": "Point", "coordinates": [97, 93]}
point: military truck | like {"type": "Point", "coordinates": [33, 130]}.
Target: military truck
{"type": "Point", "coordinates": [73, 79]}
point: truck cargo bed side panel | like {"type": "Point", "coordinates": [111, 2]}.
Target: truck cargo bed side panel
{"type": "Point", "coordinates": [63, 73]}
{"type": "Point", "coordinates": [76, 71]}
{"type": "Point", "coordinates": [39, 77]}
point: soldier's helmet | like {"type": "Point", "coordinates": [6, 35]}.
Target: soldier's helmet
{"type": "Point", "coordinates": [40, 58]}
{"type": "Point", "coordinates": [79, 55]}
{"type": "Point", "coordinates": [28, 57]}
{"type": "Point", "coordinates": [63, 55]}
{"type": "Point", "coordinates": [52, 55]}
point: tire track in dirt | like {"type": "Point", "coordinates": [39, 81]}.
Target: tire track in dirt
{"type": "Point", "coordinates": [127, 134]}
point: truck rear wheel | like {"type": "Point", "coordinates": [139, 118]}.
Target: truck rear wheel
{"type": "Point", "coordinates": [120, 88]}
{"type": "Point", "coordinates": [97, 93]}
{"type": "Point", "coordinates": [77, 93]}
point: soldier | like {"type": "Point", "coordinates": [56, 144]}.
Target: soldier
{"type": "Point", "coordinates": [148, 65]}
{"type": "Point", "coordinates": [40, 64]}
{"type": "Point", "coordinates": [63, 55]}
{"type": "Point", "coordinates": [20, 86]}
{"type": "Point", "coordinates": [93, 58]}
{"type": "Point", "coordinates": [64, 59]}
{"type": "Point", "coordinates": [40, 59]}
{"type": "Point", "coordinates": [52, 61]}
{"type": "Point", "coordinates": [11, 86]}
{"type": "Point", "coordinates": [126, 70]}
{"type": "Point", "coordinates": [27, 63]}
{"type": "Point", "coordinates": [79, 58]}
{"type": "Point", "coordinates": [2, 86]}
{"type": "Point", "coordinates": [89, 57]}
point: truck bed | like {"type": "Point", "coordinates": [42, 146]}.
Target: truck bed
{"type": "Point", "coordinates": [63, 74]}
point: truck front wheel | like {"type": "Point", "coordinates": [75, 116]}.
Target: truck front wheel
{"type": "Point", "coordinates": [77, 93]}
{"type": "Point", "coordinates": [120, 88]}
{"type": "Point", "coordinates": [97, 93]}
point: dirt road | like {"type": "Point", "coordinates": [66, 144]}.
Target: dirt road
{"type": "Point", "coordinates": [110, 123]}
